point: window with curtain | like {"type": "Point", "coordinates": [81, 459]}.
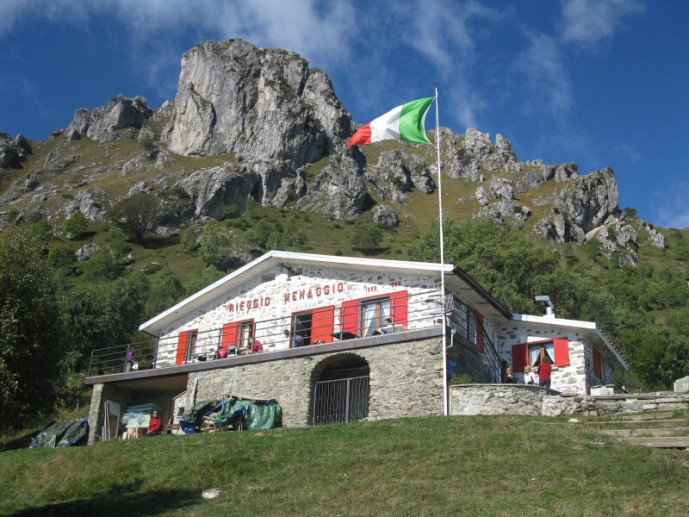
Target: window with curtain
{"type": "Point", "coordinates": [373, 314]}
{"type": "Point", "coordinates": [538, 353]}
{"type": "Point", "coordinates": [246, 330]}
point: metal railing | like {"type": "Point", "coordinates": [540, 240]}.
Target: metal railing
{"type": "Point", "coordinates": [424, 310]}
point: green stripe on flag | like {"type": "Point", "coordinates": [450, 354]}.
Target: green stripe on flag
{"type": "Point", "coordinates": [413, 119]}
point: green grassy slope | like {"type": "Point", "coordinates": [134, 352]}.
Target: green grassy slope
{"type": "Point", "coordinates": [431, 466]}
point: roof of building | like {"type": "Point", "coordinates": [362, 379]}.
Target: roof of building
{"type": "Point", "coordinates": [588, 328]}
{"type": "Point", "coordinates": [456, 279]}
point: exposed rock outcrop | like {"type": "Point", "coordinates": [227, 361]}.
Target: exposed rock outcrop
{"type": "Point", "coordinates": [262, 103]}
{"type": "Point", "coordinates": [102, 123]}
{"type": "Point", "coordinates": [13, 151]}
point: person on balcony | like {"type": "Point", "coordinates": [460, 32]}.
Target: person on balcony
{"type": "Point", "coordinates": [255, 347]}
{"type": "Point", "coordinates": [129, 365]}
{"type": "Point", "coordinates": [387, 328]}
{"type": "Point", "coordinates": [297, 339]}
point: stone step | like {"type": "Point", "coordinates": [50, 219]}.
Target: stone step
{"type": "Point", "coordinates": [635, 423]}
{"type": "Point", "coordinates": [673, 442]}
{"type": "Point", "coordinates": [647, 416]}
{"type": "Point", "coordinates": [647, 433]}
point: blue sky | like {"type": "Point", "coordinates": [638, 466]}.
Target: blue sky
{"type": "Point", "coordinates": [603, 83]}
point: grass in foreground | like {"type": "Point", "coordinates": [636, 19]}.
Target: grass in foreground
{"type": "Point", "coordinates": [425, 466]}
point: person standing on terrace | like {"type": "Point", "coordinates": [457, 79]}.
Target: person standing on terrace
{"type": "Point", "coordinates": [129, 365]}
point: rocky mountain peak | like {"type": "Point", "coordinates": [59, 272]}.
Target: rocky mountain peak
{"type": "Point", "coordinates": [280, 134]}
{"type": "Point", "coordinates": [264, 103]}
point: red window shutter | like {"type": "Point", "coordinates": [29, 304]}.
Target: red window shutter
{"type": "Point", "coordinates": [349, 316]}
{"type": "Point", "coordinates": [561, 347]}
{"type": "Point", "coordinates": [519, 358]}
{"type": "Point", "coordinates": [399, 307]}
{"type": "Point", "coordinates": [597, 364]}
{"type": "Point", "coordinates": [479, 332]}
{"type": "Point", "coordinates": [322, 322]}
{"type": "Point", "coordinates": [230, 331]}
{"type": "Point", "coordinates": [182, 346]}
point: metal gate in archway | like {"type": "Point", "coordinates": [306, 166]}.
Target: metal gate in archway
{"type": "Point", "coordinates": [340, 400]}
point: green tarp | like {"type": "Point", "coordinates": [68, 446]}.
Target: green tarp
{"type": "Point", "coordinates": [255, 414]}
{"type": "Point", "coordinates": [62, 434]}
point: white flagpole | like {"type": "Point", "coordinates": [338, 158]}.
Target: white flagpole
{"type": "Point", "coordinates": [442, 253]}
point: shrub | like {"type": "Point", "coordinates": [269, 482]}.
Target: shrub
{"type": "Point", "coordinates": [461, 378]}
{"type": "Point", "coordinates": [76, 226]}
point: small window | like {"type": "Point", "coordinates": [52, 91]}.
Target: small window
{"type": "Point", "coordinates": [294, 271]}
{"type": "Point", "coordinates": [267, 278]}
{"type": "Point", "coordinates": [246, 330]}
{"type": "Point", "coordinates": [373, 315]}
{"type": "Point", "coordinates": [541, 352]}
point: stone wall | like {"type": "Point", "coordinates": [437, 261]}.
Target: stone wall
{"type": "Point", "coordinates": [406, 380]}
{"type": "Point", "coordinates": [521, 399]}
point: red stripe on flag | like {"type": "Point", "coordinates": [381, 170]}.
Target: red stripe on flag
{"type": "Point", "coordinates": [361, 137]}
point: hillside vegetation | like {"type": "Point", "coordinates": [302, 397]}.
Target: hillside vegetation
{"type": "Point", "coordinates": [427, 466]}
{"type": "Point", "coordinates": [128, 274]}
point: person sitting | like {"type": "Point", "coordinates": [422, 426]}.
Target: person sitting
{"type": "Point", "coordinates": [255, 347]}
{"type": "Point", "coordinates": [155, 426]}
{"type": "Point", "coordinates": [222, 352]}
{"type": "Point", "coordinates": [509, 376]}
{"type": "Point", "coordinates": [386, 328]}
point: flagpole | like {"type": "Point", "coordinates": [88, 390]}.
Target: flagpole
{"type": "Point", "coordinates": [442, 252]}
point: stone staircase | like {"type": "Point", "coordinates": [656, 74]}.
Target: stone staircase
{"type": "Point", "coordinates": [661, 430]}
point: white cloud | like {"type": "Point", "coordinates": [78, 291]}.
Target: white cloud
{"type": "Point", "coordinates": [316, 29]}
{"type": "Point", "coordinates": [587, 22]}
{"type": "Point", "coordinates": [447, 33]}
{"type": "Point", "coordinates": [542, 65]}
{"type": "Point", "coordinates": [10, 12]}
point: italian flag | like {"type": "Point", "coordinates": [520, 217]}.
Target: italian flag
{"type": "Point", "coordinates": [406, 122]}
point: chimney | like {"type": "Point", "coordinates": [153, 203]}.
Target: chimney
{"type": "Point", "coordinates": [550, 308]}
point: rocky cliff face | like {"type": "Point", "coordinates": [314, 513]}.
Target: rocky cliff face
{"type": "Point", "coordinates": [273, 121]}
{"type": "Point", "coordinates": [268, 104]}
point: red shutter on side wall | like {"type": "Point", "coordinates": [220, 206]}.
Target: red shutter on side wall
{"type": "Point", "coordinates": [519, 358]}
{"type": "Point", "coordinates": [597, 366]}
{"type": "Point", "coordinates": [230, 331]}
{"type": "Point", "coordinates": [182, 346]}
{"type": "Point", "coordinates": [349, 316]}
{"type": "Point", "coordinates": [561, 347]}
{"type": "Point", "coordinates": [399, 307]}
{"type": "Point", "coordinates": [479, 332]}
{"type": "Point", "coordinates": [322, 321]}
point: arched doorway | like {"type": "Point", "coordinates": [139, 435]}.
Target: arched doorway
{"type": "Point", "coordinates": [340, 390]}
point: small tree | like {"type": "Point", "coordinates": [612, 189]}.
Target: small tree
{"type": "Point", "coordinates": [136, 214]}
{"type": "Point", "coordinates": [76, 226]}
{"type": "Point", "coordinates": [366, 238]}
